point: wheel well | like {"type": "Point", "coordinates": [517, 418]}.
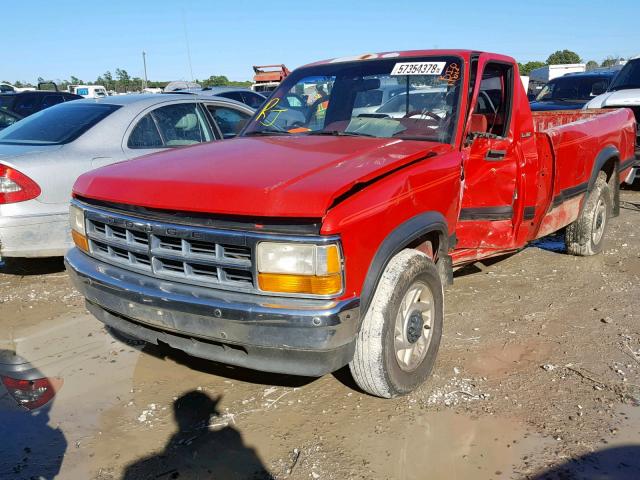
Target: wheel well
{"type": "Point", "coordinates": [610, 168]}
{"type": "Point", "coordinates": [429, 243]}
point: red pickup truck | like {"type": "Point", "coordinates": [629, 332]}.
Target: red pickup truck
{"type": "Point", "coordinates": [323, 235]}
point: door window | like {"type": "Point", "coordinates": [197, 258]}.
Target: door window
{"type": "Point", "coordinates": [253, 99]}
{"type": "Point", "coordinates": [229, 121]}
{"type": "Point", "coordinates": [50, 100]}
{"type": "Point", "coordinates": [494, 99]}
{"type": "Point", "coordinates": [145, 134]}
{"type": "Point", "coordinates": [171, 126]}
{"type": "Point", "coordinates": [26, 105]}
{"type": "Point", "coordinates": [181, 124]}
{"type": "Point", "coordinates": [6, 119]}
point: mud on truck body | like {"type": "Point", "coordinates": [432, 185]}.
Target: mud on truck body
{"type": "Point", "coordinates": [318, 239]}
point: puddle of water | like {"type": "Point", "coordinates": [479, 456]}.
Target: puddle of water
{"type": "Point", "coordinates": [450, 446]}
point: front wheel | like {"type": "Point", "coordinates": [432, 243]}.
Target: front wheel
{"type": "Point", "coordinates": [585, 236]}
{"type": "Point", "coordinates": [400, 334]}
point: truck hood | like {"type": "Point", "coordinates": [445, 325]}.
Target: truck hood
{"type": "Point", "coordinates": [620, 98]}
{"type": "Point", "coordinates": [297, 176]}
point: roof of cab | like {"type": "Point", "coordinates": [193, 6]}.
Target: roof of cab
{"type": "Point", "coordinates": [465, 54]}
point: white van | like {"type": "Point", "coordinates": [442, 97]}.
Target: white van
{"type": "Point", "coordinates": [89, 91]}
{"type": "Point", "coordinates": [624, 91]}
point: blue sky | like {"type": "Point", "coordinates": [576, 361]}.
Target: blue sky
{"type": "Point", "coordinates": [226, 37]}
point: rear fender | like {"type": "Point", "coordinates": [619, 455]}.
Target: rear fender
{"type": "Point", "coordinates": [608, 153]}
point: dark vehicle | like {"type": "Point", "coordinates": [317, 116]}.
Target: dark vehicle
{"type": "Point", "coordinates": [8, 118]}
{"type": "Point", "coordinates": [28, 103]}
{"type": "Point", "coordinates": [243, 95]}
{"type": "Point", "coordinates": [572, 91]}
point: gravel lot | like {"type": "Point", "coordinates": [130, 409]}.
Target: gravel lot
{"type": "Point", "coordinates": [539, 365]}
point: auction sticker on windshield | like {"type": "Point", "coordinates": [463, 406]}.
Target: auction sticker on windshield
{"type": "Point", "coordinates": [418, 68]}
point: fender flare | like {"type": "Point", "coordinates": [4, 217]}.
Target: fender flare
{"type": "Point", "coordinates": [397, 240]}
{"type": "Point", "coordinates": [606, 154]}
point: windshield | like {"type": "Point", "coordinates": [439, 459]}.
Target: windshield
{"type": "Point", "coordinates": [6, 101]}
{"type": "Point", "coordinates": [574, 88]}
{"type": "Point", "coordinates": [628, 77]}
{"type": "Point", "coordinates": [364, 98]}
{"type": "Point", "coordinates": [56, 125]}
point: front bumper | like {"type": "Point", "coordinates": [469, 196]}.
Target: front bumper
{"type": "Point", "coordinates": [274, 334]}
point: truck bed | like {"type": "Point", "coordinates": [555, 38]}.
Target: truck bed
{"type": "Point", "coordinates": [574, 139]}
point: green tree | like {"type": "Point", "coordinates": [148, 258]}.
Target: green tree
{"type": "Point", "coordinates": [108, 80]}
{"type": "Point", "coordinates": [75, 81]}
{"type": "Point", "coordinates": [123, 80]}
{"type": "Point", "coordinates": [610, 61]}
{"type": "Point", "coordinates": [525, 69]}
{"type": "Point", "coordinates": [215, 81]}
{"type": "Point", "coordinates": [563, 56]}
{"type": "Point", "coordinates": [592, 65]}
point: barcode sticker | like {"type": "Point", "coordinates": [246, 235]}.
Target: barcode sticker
{"type": "Point", "coordinates": [418, 68]}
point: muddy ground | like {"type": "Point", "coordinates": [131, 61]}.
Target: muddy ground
{"type": "Point", "coordinates": [538, 377]}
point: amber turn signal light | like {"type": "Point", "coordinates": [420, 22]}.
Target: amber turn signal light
{"type": "Point", "coordinates": [80, 240]}
{"type": "Point", "coordinates": [308, 284]}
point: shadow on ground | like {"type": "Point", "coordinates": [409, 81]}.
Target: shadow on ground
{"type": "Point", "coordinates": [31, 266]}
{"type": "Point", "coordinates": [227, 371]}
{"type": "Point", "coordinates": [205, 446]}
{"type": "Point", "coordinates": [619, 463]}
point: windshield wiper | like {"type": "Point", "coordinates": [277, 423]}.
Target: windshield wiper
{"type": "Point", "coordinates": [338, 133]}
{"type": "Point", "coordinates": [265, 132]}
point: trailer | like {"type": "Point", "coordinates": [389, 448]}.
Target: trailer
{"type": "Point", "coordinates": [268, 77]}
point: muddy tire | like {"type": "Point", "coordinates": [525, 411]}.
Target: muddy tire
{"type": "Point", "coordinates": [586, 235]}
{"type": "Point", "coordinates": [400, 335]}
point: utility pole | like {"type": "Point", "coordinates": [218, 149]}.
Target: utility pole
{"type": "Point", "coordinates": [144, 62]}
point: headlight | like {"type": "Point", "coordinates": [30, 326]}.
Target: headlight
{"type": "Point", "coordinates": [299, 268]}
{"type": "Point", "coordinates": [78, 233]}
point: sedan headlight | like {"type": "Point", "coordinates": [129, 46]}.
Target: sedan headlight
{"type": "Point", "coordinates": [78, 233]}
{"type": "Point", "coordinates": [299, 268]}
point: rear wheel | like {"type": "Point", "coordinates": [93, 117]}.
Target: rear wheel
{"type": "Point", "coordinates": [400, 334]}
{"type": "Point", "coordinates": [586, 235]}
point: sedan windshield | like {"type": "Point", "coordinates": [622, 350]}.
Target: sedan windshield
{"type": "Point", "coordinates": [628, 77]}
{"type": "Point", "coordinates": [57, 125]}
{"type": "Point", "coordinates": [420, 98]}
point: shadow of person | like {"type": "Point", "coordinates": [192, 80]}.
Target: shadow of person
{"type": "Point", "coordinates": [198, 451]}
{"type": "Point", "coordinates": [29, 446]}
{"type": "Point", "coordinates": [618, 463]}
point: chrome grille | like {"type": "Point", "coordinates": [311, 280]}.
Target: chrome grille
{"type": "Point", "coordinates": [194, 255]}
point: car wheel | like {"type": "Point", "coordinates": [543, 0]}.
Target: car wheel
{"type": "Point", "coordinates": [586, 235]}
{"type": "Point", "coordinates": [400, 334]}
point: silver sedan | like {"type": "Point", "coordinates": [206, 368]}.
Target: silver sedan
{"type": "Point", "coordinates": [42, 155]}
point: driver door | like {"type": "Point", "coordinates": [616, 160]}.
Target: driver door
{"type": "Point", "coordinates": [490, 161]}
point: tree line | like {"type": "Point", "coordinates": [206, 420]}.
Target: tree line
{"type": "Point", "coordinates": [567, 56]}
{"type": "Point", "coordinates": [121, 82]}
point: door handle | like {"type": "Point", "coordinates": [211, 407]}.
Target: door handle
{"type": "Point", "coordinates": [495, 155]}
